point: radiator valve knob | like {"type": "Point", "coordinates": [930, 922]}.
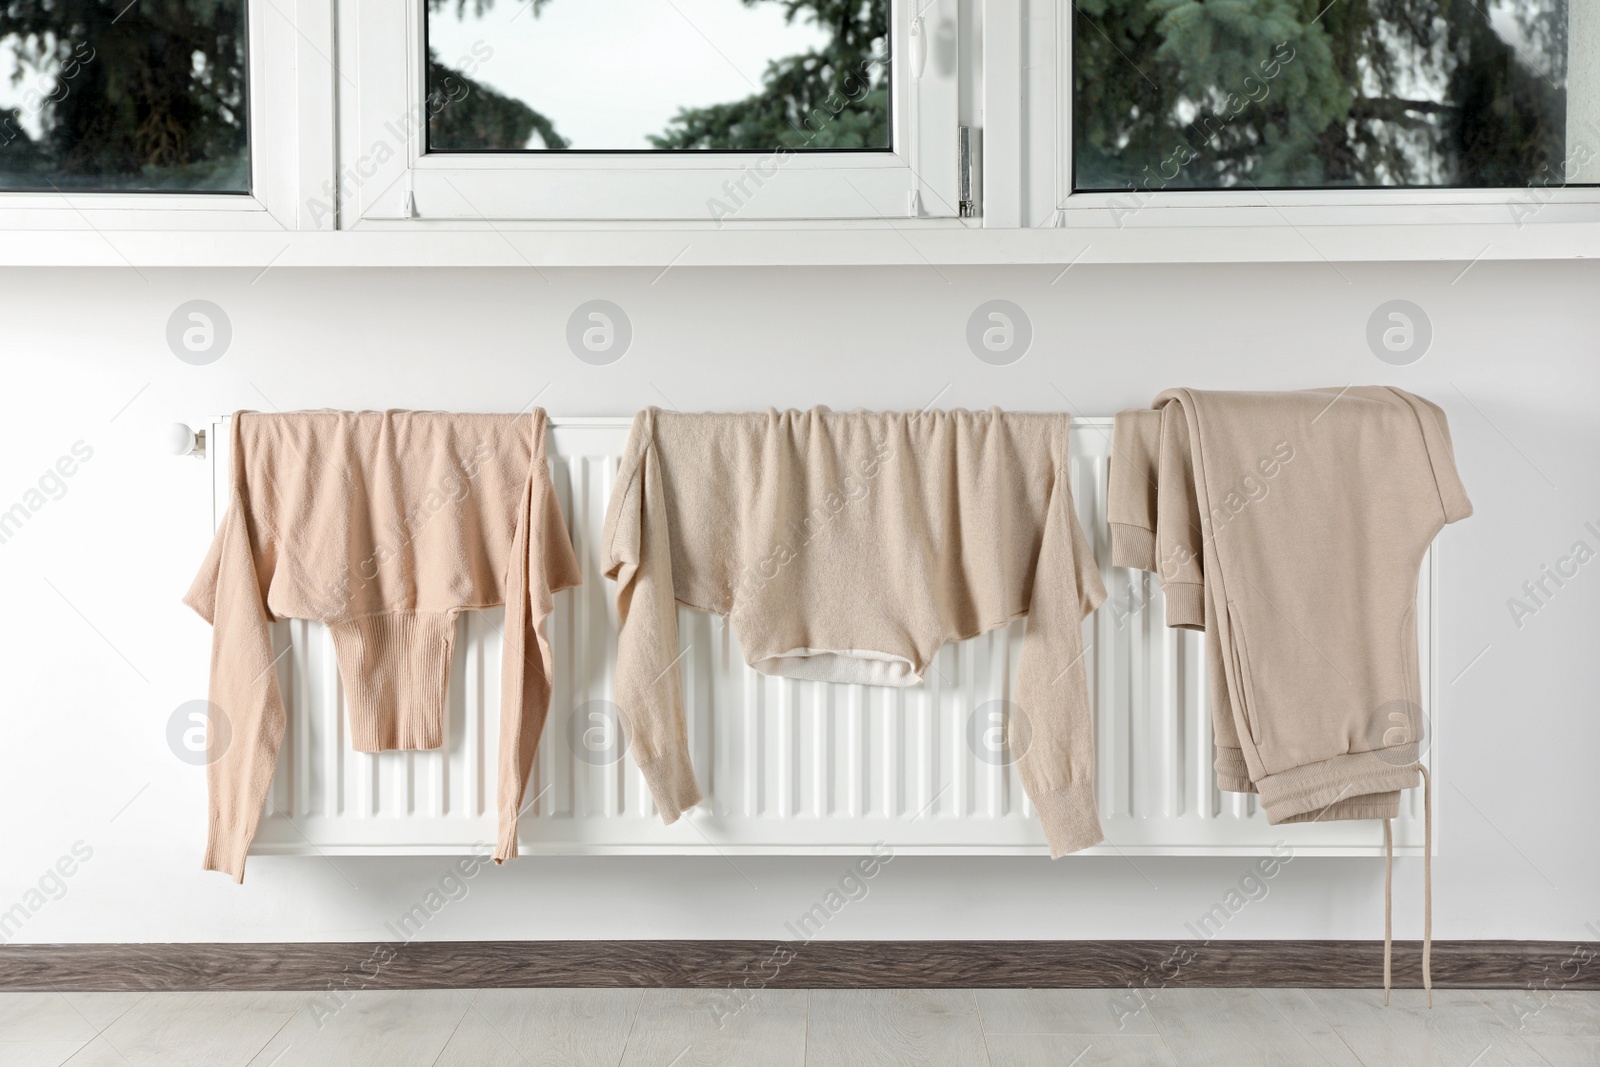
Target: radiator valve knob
{"type": "Point", "coordinates": [184, 441]}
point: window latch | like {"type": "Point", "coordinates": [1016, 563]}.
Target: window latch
{"type": "Point", "coordinates": [968, 206]}
{"type": "Point", "coordinates": [919, 46]}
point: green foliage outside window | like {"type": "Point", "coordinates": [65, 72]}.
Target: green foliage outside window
{"type": "Point", "coordinates": [1304, 93]}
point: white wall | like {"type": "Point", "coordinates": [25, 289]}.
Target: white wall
{"type": "Point", "coordinates": [97, 650]}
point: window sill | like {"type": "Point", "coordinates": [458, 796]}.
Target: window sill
{"type": "Point", "coordinates": [911, 243]}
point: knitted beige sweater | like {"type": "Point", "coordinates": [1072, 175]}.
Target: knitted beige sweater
{"type": "Point", "coordinates": [385, 526]}
{"type": "Point", "coordinates": [850, 547]}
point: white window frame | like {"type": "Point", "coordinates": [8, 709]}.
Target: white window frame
{"type": "Point", "coordinates": [312, 124]}
{"type": "Point", "coordinates": [290, 105]}
{"type": "Point", "coordinates": [388, 177]}
{"type": "Point", "coordinates": [1498, 215]}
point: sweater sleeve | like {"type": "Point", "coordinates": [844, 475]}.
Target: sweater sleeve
{"type": "Point", "coordinates": [245, 722]}
{"type": "Point", "coordinates": [542, 564]}
{"type": "Point", "coordinates": [1131, 503]}
{"type": "Point", "coordinates": [638, 556]}
{"type": "Point", "coordinates": [1180, 537]}
{"type": "Point", "coordinates": [1154, 517]}
{"type": "Point", "coordinates": [1051, 732]}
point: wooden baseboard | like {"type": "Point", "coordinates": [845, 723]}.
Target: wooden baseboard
{"type": "Point", "coordinates": [791, 965]}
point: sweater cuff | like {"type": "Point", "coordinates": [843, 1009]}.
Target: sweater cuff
{"type": "Point", "coordinates": [506, 847]}
{"type": "Point", "coordinates": [1233, 775]}
{"type": "Point", "coordinates": [1371, 806]}
{"type": "Point", "coordinates": [672, 784]}
{"type": "Point", "coordinates": [226, 856]}
{"type": "Point", "coordinates": [1186, 605]}
{"type": "Point", "coordinates": [1132, 546]}
{"type": "Point", "coordinates": [1069, 817]}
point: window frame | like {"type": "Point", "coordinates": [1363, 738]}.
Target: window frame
{"type": "Point", "coordinates": [390, 179]}
{"type": "Point", "coordinates": [1011, 83]}
{"type": "Point", "coordinates": [1501, 214]}
{"type": "Point", "coordinates": [283, 54]}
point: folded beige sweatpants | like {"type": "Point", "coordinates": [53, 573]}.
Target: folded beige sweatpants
{"type": "Point", "coordinates": [851, 547]}
{"type": "Point", "coordinates": [1291, 528]}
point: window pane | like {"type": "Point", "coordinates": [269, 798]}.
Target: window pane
{"type": "Point", "coordinates": [123, 96]}
{"type": "Point", "coordinates": [1295, 94]}
{"type": "Point", "coordinates": [657, 75]}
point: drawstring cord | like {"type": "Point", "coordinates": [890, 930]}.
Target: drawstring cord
{"type": "Point", "coordinates": [1388, 906]}
{"type": "Point", "coordinates": [1427, 892]}
{"type": "Point", "coordinates": [1427, 883]}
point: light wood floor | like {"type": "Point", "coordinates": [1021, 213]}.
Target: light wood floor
{"type": "Point", "coordinates": [816, 1028]}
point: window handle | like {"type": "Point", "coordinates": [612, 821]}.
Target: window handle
{"type": "Point", "coordinates": [919, 46]}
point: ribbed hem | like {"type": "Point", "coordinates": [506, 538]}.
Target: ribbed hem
{"type": "Point", "coordinates": [1132, 546]}
{"type": "Point", "coordinates": [1233, 774]}
{"type": "Point", "coordinates": [1070, 819]}
{"type": "Point", "coordinates": [1342, 779]}
{"type": "Point", "coordinates": [672, 784]}
{"type": "Point", "coordinates": [227, 857]}
{"type": "Point", "coordinates": [1186, 604]}
{"type": "Point", "coordinates": [1371, 806]}
{"type": "Point", "coordinates": [396, 673]}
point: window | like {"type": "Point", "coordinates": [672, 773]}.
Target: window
{"type": "Point", "coordinates": [1313, 94]}
{"type": "Point", "coordinates": [703, 111]}
{"type": "Point", "coordinates": [646, 75]}
{"type": "Point", "coordinates": [123, 97]}
{"type": "Point", "coordinates": [811, 131]}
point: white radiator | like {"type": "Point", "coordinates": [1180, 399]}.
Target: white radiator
{"type": "Point", "coordinates": [788, 767]}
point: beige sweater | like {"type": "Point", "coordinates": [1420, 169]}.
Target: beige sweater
{"type": "Point", "coordinates": [1291, 527]}
{"type": "Point", "coordinates": [850, 547]}
{"type": "Point", "coordinates": [385, 526]}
